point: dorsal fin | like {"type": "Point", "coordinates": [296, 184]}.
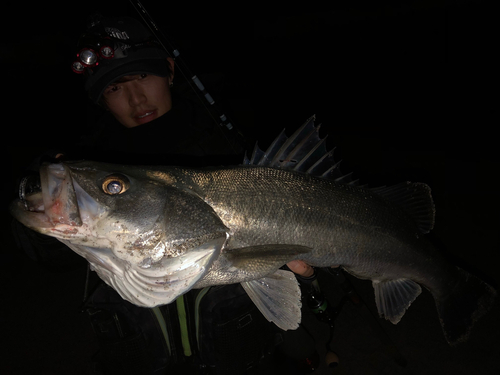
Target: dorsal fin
{"type": "Point", "coordinates": [304, 151]}
{"type": "Point", "coordinates": [415, 198]}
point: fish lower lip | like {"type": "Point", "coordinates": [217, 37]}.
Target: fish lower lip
{"type": "Point", "coordinates": [29, 185]}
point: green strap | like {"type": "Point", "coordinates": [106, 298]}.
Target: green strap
{"type": "Point", "coordinates": [200, 295]}
{"type": "Point", "coordinates": [181, 312]}
{"type": "Point", "coordinates": [163, 326]}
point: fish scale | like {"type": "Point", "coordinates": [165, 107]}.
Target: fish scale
{"type": "Point", "coordinates": [318, 213]}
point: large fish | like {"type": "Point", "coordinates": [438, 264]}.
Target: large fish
{"type": "Point", "coordinates": [155, 233]}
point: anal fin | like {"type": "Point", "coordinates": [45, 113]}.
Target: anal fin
{"type": "Point", "coordinates": [277, 297]}
{"type": "Point", "coordinates": [393, 297]}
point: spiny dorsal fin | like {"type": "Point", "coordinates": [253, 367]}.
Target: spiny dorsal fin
{"type": "Point", "coordinates": [415, 198]}
{"type": "Point", "coordinates": [304, 151]}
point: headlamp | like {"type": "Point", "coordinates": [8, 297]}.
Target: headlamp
{"type": "Point", "coordinates": [88, 57]}
{"type": "Point", "coordinates": [95, 50]}
{"type": "Point", "coordinates": [78, 67]}
{"type": "Point", "coordinates": [107, 52]}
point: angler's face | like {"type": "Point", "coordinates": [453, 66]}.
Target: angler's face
{"type": "Point", "coordinates": [137, 99]}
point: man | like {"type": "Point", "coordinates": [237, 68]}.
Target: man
{"type": "Point", "coordinates": [133, 83]}
{"type": "Point", "coordinates": [217, 329]}
{"type": "Point", "coordinates": [136, 87]}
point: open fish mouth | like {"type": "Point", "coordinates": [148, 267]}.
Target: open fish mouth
{"type": "Point", "coordinates": [29, 209]}
{"type": "Point", "coordinates": [30, 193]}
{"type": "Point", "coordinates": [48, 199]}
{"type": "Point", "coordinates": [52, 202]}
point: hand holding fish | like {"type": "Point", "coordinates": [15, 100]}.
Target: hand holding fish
{"type": "Point", "coordinates": [300, 268]}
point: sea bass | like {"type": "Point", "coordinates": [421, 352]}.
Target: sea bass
{"type": "Point", "coordinates": [153, 233]}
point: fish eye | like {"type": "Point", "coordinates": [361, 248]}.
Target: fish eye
{"type": "Point", "coordinates": [115, 184]}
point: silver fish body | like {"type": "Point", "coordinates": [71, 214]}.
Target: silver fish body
{"type": "Point", "coordinates": [155, 233]}
{"type": "Point", "coordinates": [361, 229]}
{"type": "Point", "coordinates": [341, 224]}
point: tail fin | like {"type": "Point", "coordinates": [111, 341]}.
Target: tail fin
{"type": "Point", "coordinates": [469, 300]}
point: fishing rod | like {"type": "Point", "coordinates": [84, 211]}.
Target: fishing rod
{"type": "Point", "coordinates": [194, 82]}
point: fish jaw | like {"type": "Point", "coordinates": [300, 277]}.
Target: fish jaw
{"type": "Point", "coordinates": [150, 285]}
{"type": "Point", "coordinates": [62, 209]}
{"type": "Point", "coordinates": [60, 204]}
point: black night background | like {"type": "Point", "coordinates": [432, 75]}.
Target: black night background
{"type": "Point", "coordinates": [404, 91]}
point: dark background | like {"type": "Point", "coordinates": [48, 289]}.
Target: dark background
{"type": "Point", "coordinates": [403, 90]}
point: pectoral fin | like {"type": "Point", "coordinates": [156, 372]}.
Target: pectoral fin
{"type": "Point", "coordinates": [263, 260]}
{"type": "Point", "coordinates": [250, 263]}
{"type": "Point", "coordinates": [277, 297]}
{"type": "Point", "coordinates": [393, 297]}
